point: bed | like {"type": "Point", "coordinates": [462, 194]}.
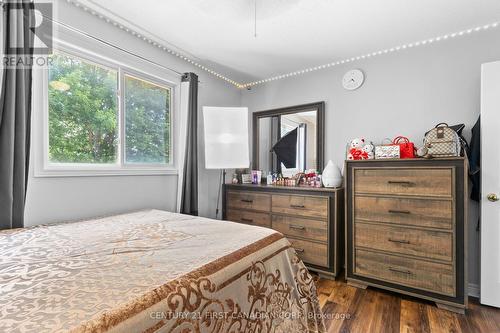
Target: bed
{"type": "Point", "coordinates": [153, 271]}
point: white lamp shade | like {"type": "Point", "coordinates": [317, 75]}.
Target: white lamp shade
{"type": "Point", "coordinates": [226, 138]}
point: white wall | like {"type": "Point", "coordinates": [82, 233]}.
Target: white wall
{"type": "Point", "coordinates": [405, 93]}
{"type": "Point", "coordinates": [71, 198]}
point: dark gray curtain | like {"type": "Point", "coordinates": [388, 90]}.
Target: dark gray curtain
{"type": "Point", "coordinates": [189, 195]}
{"type": "Point", "coordinates": [15, 114]}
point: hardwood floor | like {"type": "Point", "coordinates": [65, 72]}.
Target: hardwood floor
{"type": "Point", "coordinates": [349, 309]}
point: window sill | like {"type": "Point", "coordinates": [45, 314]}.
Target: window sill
{"type": "Point", "coordinates": [59, 173]}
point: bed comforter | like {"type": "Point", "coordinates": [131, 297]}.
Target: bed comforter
{"type": "Point", "coordinates": [153, 271]}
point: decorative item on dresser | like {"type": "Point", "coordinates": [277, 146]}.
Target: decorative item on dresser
{"type": "Point", "coordinates": [332, 177]}
{"type": "Point", "coordinates": [406, 228]}
{"type": "Point", "coordinates": [311, 218]}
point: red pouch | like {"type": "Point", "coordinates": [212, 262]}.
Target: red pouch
{"type": "Point", "coordinates": [406, 148]}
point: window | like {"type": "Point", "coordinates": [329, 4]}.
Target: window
{"type": "Point", "coordinates": [90, 127]}
{"type": "Point", "coordinates": [83, 112]}
{"type": "Point", "coordinates": [147, 122]}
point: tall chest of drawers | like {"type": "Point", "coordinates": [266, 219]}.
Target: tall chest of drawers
{"type": "Point", "coordinates": [406, 228]}
{"type": "Point", "coordinates": [311, 219]}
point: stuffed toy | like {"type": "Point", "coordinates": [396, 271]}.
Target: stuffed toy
{"type": "Point", "coordinates": [368, 150]}
{"type": "Point", "coordinates": [359, 149]}
{"type": "Point", "coordinates": [357, 143]}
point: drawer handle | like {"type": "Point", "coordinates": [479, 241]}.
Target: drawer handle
{"type": "Point", "coordinates": [246, 220]}
{"type": "Point", "coordinates": [297, 227]}
{"type": "Point", "coordinates": [247, 200]}
{"type": "Point", "coordinates": [297, 206]}
{"type": "Point", "coordinates": [400, 182]}
{"type": "Point", "coordinates": [392, 211]}
{"type": "Point", "coordinates": [399, 241]}
{"type": "Point", "coordinates": [395, 270]}
{"type": "Point", "coordinates": [300, 250]}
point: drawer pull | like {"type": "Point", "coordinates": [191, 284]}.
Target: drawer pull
{"type": "Point", "coordinates": [300, 250]}
{"type": "Point", "coordinates": [297, 206]}
{"type": "Point", "coordinates": [246, 200]}
{"type": "Point", "coordinates": [400, 271]}
{"type": "Point", "coordinates": [399, 241]}
{"type": "Point", "coordinates": [399, 211]}
{"type": "Point", "coordinates": [400, 182]}
{"type": "Point", "coordinates": [297, 227]}
{"type": "Point", "coordinates": [246, 220]}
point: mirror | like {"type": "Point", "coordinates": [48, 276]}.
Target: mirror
{"type": "Point", "coordinates": [289, 140]}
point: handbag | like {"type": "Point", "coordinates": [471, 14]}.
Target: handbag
{"type": "Point", "coordinates": [406, 148]}
{"type": "Point", "coordinates": [390, 150]}
{"type": "Point", "coordinates": [442, 141]}
{"type": "Point", "coordinates": [463, 142]}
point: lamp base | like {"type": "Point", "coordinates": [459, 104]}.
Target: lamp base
{"type": "Point", "coordinates": [220, 192]}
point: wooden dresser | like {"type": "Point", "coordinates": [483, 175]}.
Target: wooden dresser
{"type": "Point", "coordinates": [406, 228]}
{"type": "Point", "coordinates": [311, 219]}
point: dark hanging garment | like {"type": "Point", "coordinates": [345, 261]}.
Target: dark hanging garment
{"type": "Point", "coordinates": [475, 161]}
{"type": "Point", "coordinates": [286, 149]}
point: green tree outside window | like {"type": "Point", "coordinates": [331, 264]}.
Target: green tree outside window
{"type": "Point", "coordinates": [84, 116]}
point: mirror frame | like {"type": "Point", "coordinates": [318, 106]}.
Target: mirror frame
{"type": "Point", "coordinates": [320, 139]}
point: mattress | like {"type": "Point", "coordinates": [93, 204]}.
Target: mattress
{"type": "Point", "coordinates": [153, 271]}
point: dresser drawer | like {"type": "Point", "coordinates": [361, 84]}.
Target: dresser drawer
{"type": "Point", "coordinates": [249, 200]}
{"type": "Point", "coordinates": [434, 182]}
{"type": "Point", "coordinates": [309, 206]}
{"type": "Point", "coordinates": [316, 230]}
{"type": "Point", "coordinates": [419, 212]}
{"type": "Point", "coordinates": [422, 243]}
{"type": "Point", "coordinates": [311, 252]}
{"type": "Point", "coordinates": [253, 218]}
{"type": "Point", "coordinates": [428, 276]}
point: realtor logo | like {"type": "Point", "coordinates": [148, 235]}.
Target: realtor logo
{"type": "Point", "coordinates": [37, 20]}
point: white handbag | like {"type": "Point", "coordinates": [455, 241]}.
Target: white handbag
{"type": "Point", "coordinates": [389, 150]}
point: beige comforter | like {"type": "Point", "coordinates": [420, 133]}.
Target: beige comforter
{"type": "Point", "coordinates": [153, 271]}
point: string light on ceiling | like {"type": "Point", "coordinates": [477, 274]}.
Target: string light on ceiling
{"type": "Point", "coordinates": [290, 74]}
{"type": "Point", "coordinates": [376, 53]}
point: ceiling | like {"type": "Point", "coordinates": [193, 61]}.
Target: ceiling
{"type": "Point", "coordinates": [292, 34]}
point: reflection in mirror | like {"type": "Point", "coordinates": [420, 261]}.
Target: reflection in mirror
{"type": "Point", "coordinates": [287, 142]}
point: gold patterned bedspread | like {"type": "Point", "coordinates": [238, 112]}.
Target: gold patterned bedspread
{"type": "Point", "coordinates": [153, 271]}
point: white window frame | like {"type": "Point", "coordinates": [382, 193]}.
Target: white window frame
{"type": "Point", "coordinates": [44, 168]}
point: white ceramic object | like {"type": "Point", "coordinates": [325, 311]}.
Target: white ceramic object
{"type": "Point", "coordinates": [331, 176]}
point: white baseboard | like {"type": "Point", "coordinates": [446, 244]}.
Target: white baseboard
{"type": "Point", "coordinates": [474, 290]}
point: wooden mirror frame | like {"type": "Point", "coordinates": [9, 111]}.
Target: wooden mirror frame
{"type": "Point", "coordinates": [320, 137]}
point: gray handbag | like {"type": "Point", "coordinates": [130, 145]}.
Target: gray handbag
{"type": "Point", "coordinates": [442, 141]}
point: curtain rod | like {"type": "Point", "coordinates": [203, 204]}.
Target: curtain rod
{"type": "Point", "coordinates": [113, 45]}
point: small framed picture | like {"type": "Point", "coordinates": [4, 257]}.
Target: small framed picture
{"type": "Point", "coordinates": [246, 178]}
